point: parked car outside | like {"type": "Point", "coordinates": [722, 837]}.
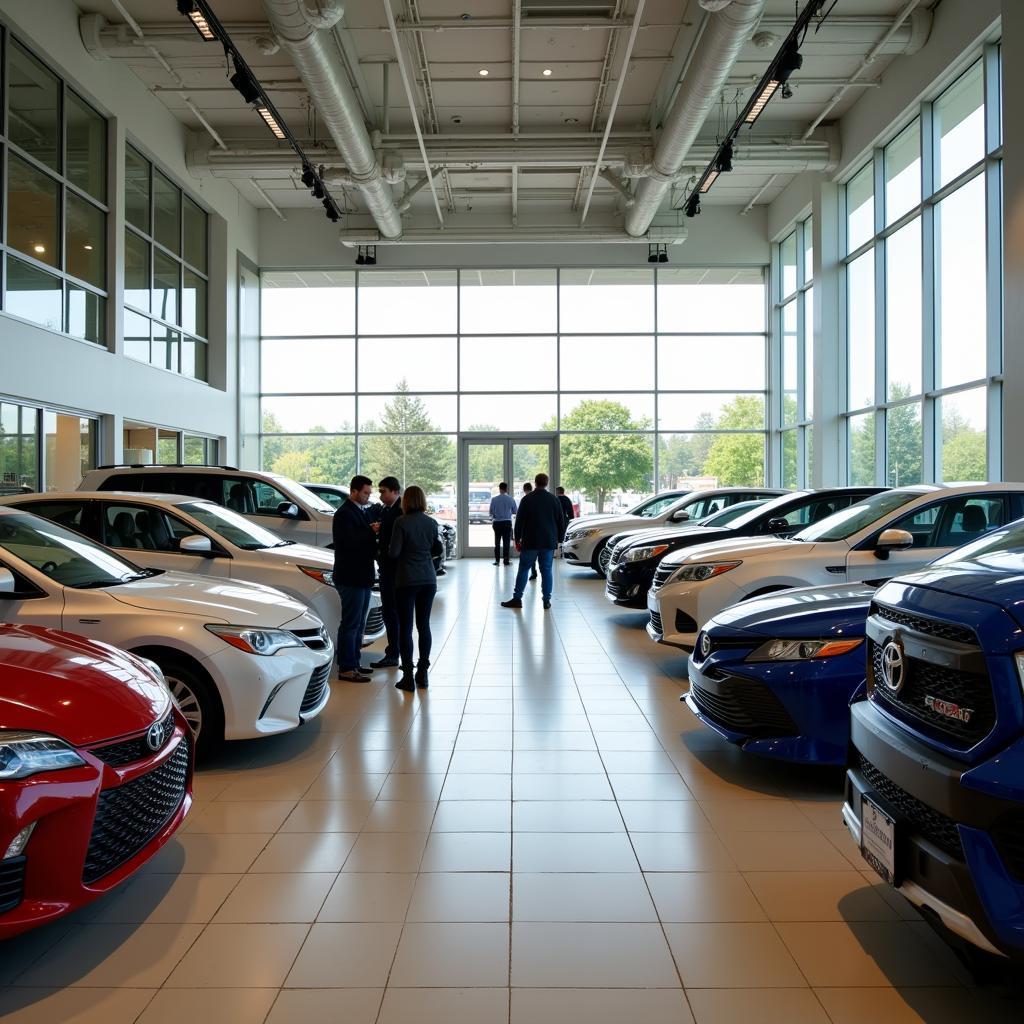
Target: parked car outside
{"type": "Point", "coordinates": [95, 772]}
{"type": "Point", "coordinates": [272, 501]}
{"type": "Point", "coordinates": [167, 531]}
{"type": "Point", "coordinates": [889, 533]}
{"type": "Point", "coordinates": [635, 559]}
{"type": "Point", "coordinates": [935, 788]}
{"type": "Point", "coordinates": [586, 539]}
{"type": "Point", "coordinates": [242, 660]}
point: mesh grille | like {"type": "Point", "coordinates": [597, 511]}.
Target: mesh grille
{"type": "Point", "coordinates": [939, 829]}
{"type": "Point", "coordinates": [921, 624]}
{"type": "Point", "coordinates": [315, 690]}
{"type": "Point", "coordinates": [128, 816]}
{"type": "Point", "coordinates": [745, 706]}
{"type": "Point", "coordinates": [314, 639]}
{"type": "Point", "coordinates": [662, 573]}
{"type": "Point", "coordinates": [136, 749]}
{"type": "Point", "coordinates": [12, 883]}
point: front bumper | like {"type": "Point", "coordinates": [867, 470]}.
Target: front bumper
{"type": "Point", "coordinates": [627, 586]}
{"type": "Point", "coordinates": [579, 552]}
{"type": "Point", "coordinates": [947, 861]}
{"type": "Point", "coordinates": [95, 818]}
{"type": "Point", "coordinates": [669, 624]}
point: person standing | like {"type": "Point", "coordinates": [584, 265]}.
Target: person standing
{"type": "Point", "coordinates": [355, 547]}
{"type": "Point", "coordinates": [414, 540]}
{"type": "Point", "coordinates": [540, 526]}
{"type": "Point", "coordinates": [527, 488]}
{"type": "Point", "coordinates": [388, 511]}
{"type": "Point", "coordinates": [503, 508]}
{"type": "Point", "coordinates": [566, 502]}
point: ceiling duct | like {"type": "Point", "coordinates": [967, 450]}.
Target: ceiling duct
{"type": "Point", "coordinates": [541, 10]}
{"type": "Point", "coordinates": [723, 38]}
{"type": "Point", "coordinates": [317, 59]}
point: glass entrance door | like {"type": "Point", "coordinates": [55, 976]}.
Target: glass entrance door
{"type": "Point", "coordinates": [485, 460]}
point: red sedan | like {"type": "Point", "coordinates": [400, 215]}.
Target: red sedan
{"type": "Point", "coordinates": [95, 771]}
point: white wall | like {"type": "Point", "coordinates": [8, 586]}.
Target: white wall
{"type": "Point", "coordinates": [42, 367]}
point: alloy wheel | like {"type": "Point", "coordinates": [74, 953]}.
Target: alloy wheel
{"type": "Point", "coordinates": [188, 703]}
{"type": "Point", "coordinates": [604, 557]}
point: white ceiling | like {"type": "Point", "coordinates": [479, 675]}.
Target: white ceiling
{"type": "Point", "coordinates": [568, 109]}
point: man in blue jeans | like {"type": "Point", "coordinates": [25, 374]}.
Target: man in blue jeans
{"type": "Point", "coordinates": [540, 527]}
{"type": "Point", "coordinates": [355, 548]}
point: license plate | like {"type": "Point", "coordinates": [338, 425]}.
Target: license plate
{"type": "Point", "coordinates": [878, 839]}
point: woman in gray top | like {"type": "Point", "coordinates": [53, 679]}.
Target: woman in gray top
{"type": "Point", "coordinates": [413, 542]}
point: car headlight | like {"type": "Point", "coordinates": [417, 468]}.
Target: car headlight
{"type": "Point", "coordinates": [802, 650]}
{"type": "Point", "coordinates": [582, 534]}
{"type": "Point", "coordinates": [29, 753]}
{"type": "Point", "coordinates": [642, 554]}
{"type": "Point", "coordinates": [324, 576]}
{"type": "Point", "coordinates": [256, 641]}
{"type": "Point", "coordinates": [700, 571]}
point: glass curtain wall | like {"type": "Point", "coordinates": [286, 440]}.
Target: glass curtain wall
{"type": "Point", "coordinates": [794, 324]}
{"type": "Point", "coordinates": [651, 377]}
{"type": "Point", "coordinates": [923, 251]}
{"type": "Point", "coordinates": [43, 449]}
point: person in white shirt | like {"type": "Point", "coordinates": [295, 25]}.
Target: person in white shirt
{"type": "Point", "coordinates": [503, 508]}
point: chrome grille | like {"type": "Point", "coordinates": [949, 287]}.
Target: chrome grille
{"type": "Point", "coordinates": [314, 694]}
{"type": "Point", "coordinates": [922, 624]}
{"type": "Point", "coordinates": [135, 749]}
{"type": "Point", "coordinates": [314, 639]}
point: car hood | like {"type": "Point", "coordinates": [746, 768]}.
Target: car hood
{"type": "Point", "coordinates": [807, 613]}
{"type": "Point", "coordinates": [745, 547]}
{"type": "Point", "coordinates": [603, 519]}
{"type": "Point", "coordinates": [215, 600]}
{"type": "Point", "coordinates": [80, 690]}
{"type": "Point", "coordinates": [692, 534]}
{"type": "Point", "coordinates": [993, 583]}
{"type": "Point", "coordinates": [295, 554]}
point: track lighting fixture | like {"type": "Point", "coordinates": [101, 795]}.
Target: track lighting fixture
{"type": "Point", "coordinates": [318, 189]}
{"type": "Point", "coordinates": [789, 60]}
{"type": "Point", "coordinates": [360, 258]}
{"type": "Point", "coordinates": [657, 252]}
{"type": "Point", "coordinates": [308, 177]}
{"type": "Point", "coordinates": [332, 213]}
{"type": "Point", "coordinates": [787, 91]}
{"type": "Point", "coordinates": [245, 83]}
{"type": "Point", "coordinates": [371, 255]}
{"type": "Point", "coordinates": [192, 11]}
{"type": "Point", "coordinates": [652, 254]}
{"type": "Point", "coordinates": [693, 205]}
{"type": "Point", "coordinates": [723, 162]}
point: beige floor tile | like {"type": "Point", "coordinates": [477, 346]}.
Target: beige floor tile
{"type": "Point", "coordinates": [477, 787]}
{"type": "Point", "coordinates": [687, 851]}
{"type": "Point", "coordinates": [620, 896]}
{"type": "Point", "coordinates": [756, 816]}
{"type": "Point", "coordinates": [305, 851]}
{"type": "Point", "coordinates": [664, 816]}
{"type": "Point", "coordinates": [345, 955]}
{"type": "Point", "coordinates": [473, 816]}
{"type": "Point", "coordinates": [328, 816]}
{"type": "Point", "coordinates": [113, 956]}
{"type": "Point", "coordinates": [707, 785]}
{"type": "Point", "coordinates": [763, 1005]}
{"type": "Point", "coordinates": [223, 1005]}
{"type": "Point", "coordinates": [566, 816]}
{"type": "Point", "coordinates": [387, 851]}
{"type": "Point", "coordinates": [421, 787]}
{"type": "Point", "coordinates": [284, 787]}
{"type": "Point", "coordinates": [819, 896]}
{"type": "Point", "coordinates": [607, 1006]}
{"type": "Point", "coordinates": [783, 851]}
{"type": "Point", "coordinates": [352, 784]}
{"type": "Point", "coordinates": [451, 956]}
{"type": "Point", "coordinates": [73, 1005]}
{"type": "Point", "coordinates": [732, 956]}
{"type": "Point", "coordinates": [460, 896]}
{"type": "Point", "coordinates": [703, 896]}
{"type": "Point", "coordinates": [561, 787]}
{"type": "Point", "coordinates": [166, 899]}
{"type": "Point", "coordinates": [207, 854]}
{"type": "Point", "coordinates": [422, 761]}
{"type": "Point", "coordinates": [478, 741]}
{"type": "Point", "coordinates": [591, 956]}
{"type": "Point", "coordinates": [487, 762]}
{"type": "Point", "coordinates": [866, 953]}
{"type": "Point", "coordinates": [31, 946]}
{"type": "Point", "coordinates": [557, 762]}
{"type": "Point", "coordinates": [580, 739]}
{"type": "Point", "coordinates": [643, 740]}
{"type": "Point", "coordinates": [444, 1006]}
{"type": "Point", "coordinates": [918, 1006]}
{"type": "Point", "coordinates": [649, 787]}
{"type": "Point", "coordinates": [468, 851]}
{"type": "Point", "coordinates": [320, 1005]}
{"type": "Point", "coordinates": [240, 956]}
{"type": "Point", "coordinates": [572, 851]}
{"type": "Point", "coordinates": [239, 817]}
{"type": "Point", "coordinates": [368, 897]}
{"type": "Point", "coordinates": [638, 762]}
{"type": "Point", "coordinates": [401, 816]}
{"type": "Point", "coordinates": [276, 898]}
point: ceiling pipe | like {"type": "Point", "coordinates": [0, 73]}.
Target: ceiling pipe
{"type": "Point", "coordinates": [506, 235]}
{"type": "Point", "coordinates": [727, 31]}
{"type": "Point", "coordinates": [318, 61]}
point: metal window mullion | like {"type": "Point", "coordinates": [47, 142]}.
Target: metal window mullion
{"type": "Point", "coordinates": [774, 457]}
{"type": "Point", "coordinates": [355, 368]}
{"type": "Point", "coordinates": [994, 261]}
{"type": "Point", "coordinates": [931, 330]}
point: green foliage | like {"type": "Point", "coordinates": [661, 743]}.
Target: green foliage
{"type": "Point", "coordinates": [964, 455]}
{"type": "Point", "coordinates": [862, 451]}
{"type": "Point", "coordinates": [603, 462]}
{"type": "Point", "coordinates": [738, 459]}
{"type": "Point", "coordinates": [324, 460]}
{"type": "Point", "coordinates": [903, 435]}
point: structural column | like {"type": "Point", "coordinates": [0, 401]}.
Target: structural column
{"type": "Point", "coordinates": [829, 350]}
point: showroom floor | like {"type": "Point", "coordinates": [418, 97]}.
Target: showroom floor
{"type": "Point", "coordinates": [544, 836]}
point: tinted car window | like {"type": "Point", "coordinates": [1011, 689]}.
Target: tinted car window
{"type": "Point", "coordinates": [921, 525]}
{"type": "Point", "coordinates": [65, 513]}
{"type": "Point", "coordinates": [848, 521]}
{"type": "Point", "coordinates": [967, 519]}
{"type": "Point", "coordinates": [124, 482]}
{"type": "Point", "coordinates": [654, 507]}
{"type": "Point", "coordinates": [142, 527]}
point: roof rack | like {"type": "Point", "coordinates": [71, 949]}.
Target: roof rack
{"type": "Point", "coordinates": [163, 465]}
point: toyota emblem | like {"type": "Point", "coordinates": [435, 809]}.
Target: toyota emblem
{"type": "Point", "coordinates": [155, 736]}
{"type": "Point", "coordinates": [705, 645]}
{"type": "Point", "coordinates": [894, 669]}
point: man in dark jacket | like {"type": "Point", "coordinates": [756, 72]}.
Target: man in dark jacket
{"type": "Point", "coordinates": [389, 509]}
{"type": "Point", "coordinates": [540, 527]}
{"type": "Point", "coordinates": [566, 502]}
{"type": "Point", "coordinates": [355, 548]}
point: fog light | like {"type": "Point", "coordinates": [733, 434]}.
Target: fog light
{"type": "Point", "coordinates": [270, 700]}
{"type": "Point", "coordinates": [19, 842]}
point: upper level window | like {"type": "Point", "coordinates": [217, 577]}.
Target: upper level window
{"type": "Point", "coordinates": [165, 272]}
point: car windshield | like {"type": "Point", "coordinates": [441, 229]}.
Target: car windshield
{"type": "Point", "coordinates": [234, 528]}
{"type": "Point", "coordinates": [764, 508]}
{"type": "Point", "coordinates": [66, 558]}
{"type": "Point", "coordinates": [985, 549]}
{"type": "Point", "coordinates": [848, 521]}
{"type": "Point", "coordinates": [654, 506]}
{"type": "Point", "coordinates": [304, 494]}
{"type": "Point", "coordinates": [733, 514]}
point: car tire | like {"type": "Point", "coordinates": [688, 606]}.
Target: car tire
{"type": "Point", "coordinates": [604, 558]}
{"type": "Point", "coordinates": [595, 558]}
{"type": "Point", "coordinates": [199, 703]}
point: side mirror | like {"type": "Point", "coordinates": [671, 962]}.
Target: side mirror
{"type": "Point", "coordinates": [680, 517]}
{"type": "Point", "coordinates": [195, 544]}
{"type": "Point", "coordinates": [892, 540]}
{"type": "Point", "coordinates": [7, 582]}
{"type": "Point", "coordinates": [288, 510]}
{"type": "Point", "coordinates": [779, 525]}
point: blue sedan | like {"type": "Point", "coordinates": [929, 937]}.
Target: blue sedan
{"type": "Point", "coordinates": [776, 675]}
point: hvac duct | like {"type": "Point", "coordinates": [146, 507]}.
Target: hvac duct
{"type": "Point", "coordinates": [723, 38]}
{"type": "Point", "coordinates": [317, 58]}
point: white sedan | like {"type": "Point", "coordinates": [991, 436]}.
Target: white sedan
{"type": "Point", "coordinates": [168, 531]}
{"type": "Point", "coordinates": [890, 533]}
{"type": "Point", "coordinates": [242, 660]}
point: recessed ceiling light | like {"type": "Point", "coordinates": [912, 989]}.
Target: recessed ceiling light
{"type": "Point", "coordinates": [571, 120]}
{"type": "Point", "coordinates": [546, 72]}
{"type": "Point", "coordinates": [87, 248]}
{"type": "Point", "coordinates": [39, 248]}
{"type": "Point", "coordinates": [483, 72]}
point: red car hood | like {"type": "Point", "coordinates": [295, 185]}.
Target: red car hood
{"type": "Point", "coordinates": [77, 689]}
